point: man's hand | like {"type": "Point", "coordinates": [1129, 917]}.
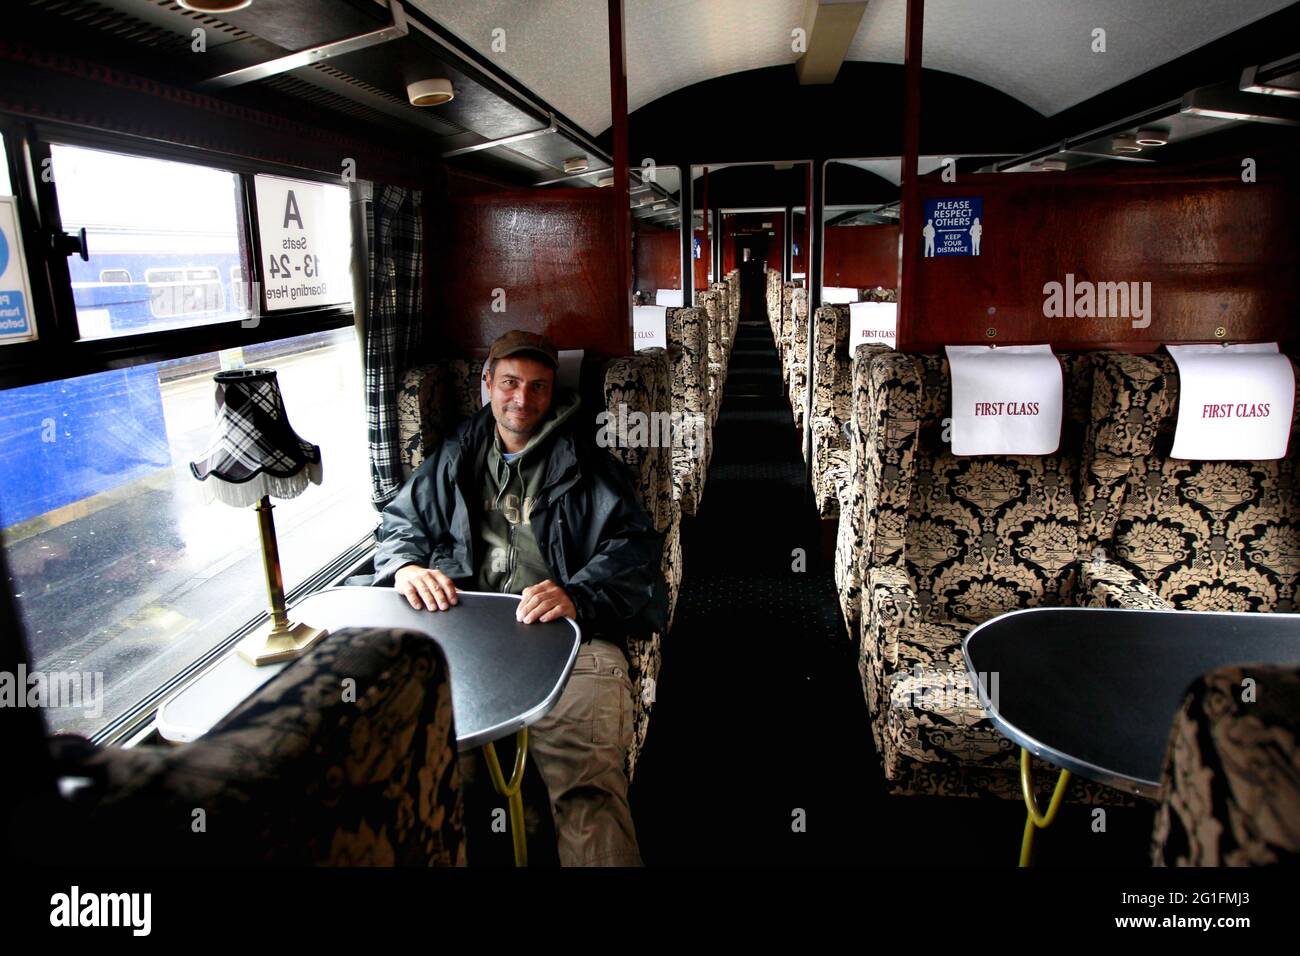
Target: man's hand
{"type": "Point", "coordinates": [544, 602]}
{"type": "Point", "coordinates": [425, 587]}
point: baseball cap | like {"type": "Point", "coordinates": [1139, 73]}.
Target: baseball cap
{"type": "Point", "coordinates": [519, 342]}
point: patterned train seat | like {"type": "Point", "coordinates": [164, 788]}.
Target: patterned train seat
{"type": "Point", "coordinates": [1168, 532]}
{"type": "Point", "coordinates": [951, 542]}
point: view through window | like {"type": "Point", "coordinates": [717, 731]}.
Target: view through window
{"type": "Point", "coordinates": [123, 576]}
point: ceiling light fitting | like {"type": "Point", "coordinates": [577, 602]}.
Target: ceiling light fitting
{"type": "Point", "coordinates": [214, 6]}
{"type": "Point", "coordinates": [433, 92]}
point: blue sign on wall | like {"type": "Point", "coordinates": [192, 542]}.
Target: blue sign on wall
{"type": "Point", "coordinates": [953, 226]}
{"type": "Point", "coordinates": [696, 246]}
{"type": "Point", "coordinates": [15, 321]}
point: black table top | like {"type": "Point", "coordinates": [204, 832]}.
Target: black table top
{"type": "Point", "coordinates": [504, 675]}
{"type": "Point", "coordinates": [1095, 690]}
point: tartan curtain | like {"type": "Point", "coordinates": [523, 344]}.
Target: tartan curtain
{"type": "Point", "coordinates": [394, 237]}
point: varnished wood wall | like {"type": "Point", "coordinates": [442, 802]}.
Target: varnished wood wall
{"type": "Point", "coordinates": [657, 263]}
{"type": "Point", "coordinates": [547, 251]}
{"type": "Point", "coordinates": [1219, 254]}
{"type": "Point", "coordinates": [861, 257]}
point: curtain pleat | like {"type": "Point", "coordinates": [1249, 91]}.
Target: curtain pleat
{"type": "Point", "coordinates": [393, 326]}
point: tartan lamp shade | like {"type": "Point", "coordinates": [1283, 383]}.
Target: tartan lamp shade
{"type": "Point", "coordinates": [254, 450]}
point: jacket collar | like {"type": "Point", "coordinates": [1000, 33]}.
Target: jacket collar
{"type": "Point", "coordinates": [562, 467]}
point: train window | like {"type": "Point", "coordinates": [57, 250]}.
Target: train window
{"type": "Point", "coordinates": [110, 276]}
{"type": "Point", "coordinates": [305, 229]}
{"type": "Point", "coordinates": [178, 225]}
{"type": "Point", "coordinates": [123, 576]}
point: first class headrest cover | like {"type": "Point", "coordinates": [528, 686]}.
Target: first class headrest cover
{"type": "Point", "coordinates": [1235, 402]}
{"type": "Point", "coordinates": [1005, 401]}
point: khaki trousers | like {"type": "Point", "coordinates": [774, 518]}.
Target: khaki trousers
{"type": "Point", "coordinates": [579, 749]}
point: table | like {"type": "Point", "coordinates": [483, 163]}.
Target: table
{"type": "Point", "coordinates": [504, 675]}
{"type": "Point", "coordinates": [1094, 690]}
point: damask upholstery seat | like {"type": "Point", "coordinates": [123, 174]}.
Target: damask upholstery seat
{"type": "Point", "coordinates": [1168, 532]}
{"type": "Point", "coordinates": [727, 300]}
{"type": "Point", "coordinates": [786, 327]}
{"type": "Point", "coordinates": [949, 543]}
{"type": "Point", "coordinates": [832, 407]}
{"type": "Point", "coordinates": [774, 302]}
{"type": "Point", "coordinates": [1231, 794]}
{"type": "Point", "coordinates": [711, 302]}
{"type": "Point", "coordinates": [866, 421]}
{"type": "Point", "coordinates": [796, 368]}
{"type": "Point", "coordinates": [641, 382]}
{"type": "Point", "coordinates": [686, 333]}
{"type": "Point", "coordinates": [302, 773]}
{"type": "Point", "coordinates": [431, 400]}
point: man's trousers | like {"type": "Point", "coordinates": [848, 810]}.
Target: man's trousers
{"type": "Point", "coordinates": [579, 748]}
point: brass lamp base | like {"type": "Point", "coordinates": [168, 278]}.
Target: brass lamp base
{"type": "Point", "coordinates": [265, 646]}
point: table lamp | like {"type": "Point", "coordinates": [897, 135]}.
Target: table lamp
{"type": "Point", "coordinates": [255, 454]}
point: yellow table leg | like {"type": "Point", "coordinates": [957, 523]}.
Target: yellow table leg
{"type": "Point", "coordinates": [512, 791]}
{"type": "Point", "coordinates": [1034, 819]}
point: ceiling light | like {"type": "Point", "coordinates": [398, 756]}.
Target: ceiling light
{"type": "Point", "coordinates": [214, 6]}
{"type": "Point", "coordinates": [605, 181]}
{"type": "Point", "coordinates": [1125, 143]}
{"type": "Point", "coordinates": [433, 92]}
{"type": "Point", "coordinates": [1053, 165]}
{"type": "Point", "coordinates": [1152, 137]}
{"type": "Point", "coordinates": [661, 205]}
{"type": "Point", "coordinates": [575, 164]}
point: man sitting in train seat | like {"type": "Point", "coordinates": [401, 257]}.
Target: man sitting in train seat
{"type": "Point", "coordinates": [556, 520]}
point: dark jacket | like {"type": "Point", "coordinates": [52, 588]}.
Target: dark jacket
{"type": "Point", "coordinates": [595, 537]}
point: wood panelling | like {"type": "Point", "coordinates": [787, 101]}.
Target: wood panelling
{"type": "Point", "coordinates": [860, 257]}
{"type": "Point", "coordinates": [658, 259]}
{"type": "Point", "coordinates": [549, 251]}
{"type": "Point", "coordinates": [1217, 253]}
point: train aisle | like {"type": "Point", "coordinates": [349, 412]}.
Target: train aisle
{"type": "Point", "coordinates": [758, 750]}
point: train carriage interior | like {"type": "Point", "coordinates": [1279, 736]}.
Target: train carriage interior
{"type": "Point", "coordinates": [906, 459]}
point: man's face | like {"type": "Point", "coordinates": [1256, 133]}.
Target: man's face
{"type": "Point", "coordinates": [520, 389]}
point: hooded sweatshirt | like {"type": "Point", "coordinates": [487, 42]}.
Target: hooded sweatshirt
{"type": "Point", "coordinates": [509, 559]}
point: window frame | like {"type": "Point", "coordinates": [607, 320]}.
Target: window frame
{"type": "Point", "coordinates": [59, 351]}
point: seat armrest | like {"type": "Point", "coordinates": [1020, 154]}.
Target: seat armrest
{"type": "Point", "coordinates": [827, 434]}
{"type": "Point", "coordinates": [1104, 583]}
{"type": "Point", "coordinates": [891, 611]}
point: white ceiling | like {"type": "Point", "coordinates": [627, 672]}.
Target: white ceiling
{"type": "Point", "coordinates": [1038, 51]}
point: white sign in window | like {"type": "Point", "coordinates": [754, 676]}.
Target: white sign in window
{"type": "Point", "coordinates": [306, 234]}
{"type": "Point", "coordinates": [16, 322]}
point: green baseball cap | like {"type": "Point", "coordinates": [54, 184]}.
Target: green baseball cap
{"type": "Point", "coordinates": [519, 342]}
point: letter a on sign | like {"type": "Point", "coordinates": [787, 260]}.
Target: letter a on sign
{"type": "Point", "coordinates": [291, 213]}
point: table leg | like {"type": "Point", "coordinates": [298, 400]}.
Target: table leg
{"type": "Point", "coordinates": [1033, 818]}
{"type": "Point", "coordinates": [512, 791]}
